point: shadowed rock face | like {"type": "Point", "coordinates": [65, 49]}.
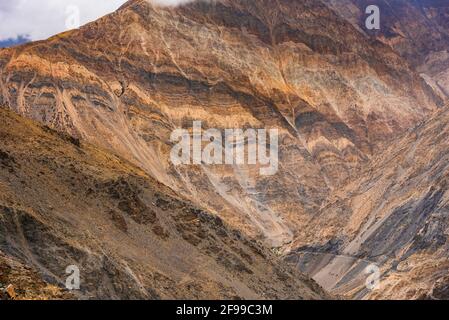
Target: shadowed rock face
{"type": "Point", "coordinates": [26, 282]}
{"type": "Point", "coordinates": [337, 95]}
{"type": "Point", "coordinates": [395, 215]}
{"type": "Point", "coordinates": [417, 30]}
{"type": "Point", "coordinates": [64, 203]}
{"type": "Point", "coordinates": [127, 80]}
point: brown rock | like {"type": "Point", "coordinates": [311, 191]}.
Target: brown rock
{"type": "Point", "coordinates": [118, 255]}
{"type": "Point", "coordinates": [294, 65]}
{"type": "Point", "coordinates": [11, 292]}
{"type": "Point", "coordinates": [126, 81]}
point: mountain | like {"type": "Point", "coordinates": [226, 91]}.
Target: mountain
{"type": "Point", "coordinates": [19, 281]}
{"type": "Point", "coordinates": [14, 42]}
{"type": "Point", "coordinates": [126, 81]}
{"type": "Point", "coordinates": [65, 203]}
{"type": "Point", "coordinates": [393, 215]}
{"type": "Point", "coordinates": [339, 97]}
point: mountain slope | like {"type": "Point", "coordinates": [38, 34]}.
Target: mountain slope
{"type": "Point", "coordinates": [126, 81]}
{"type": "Point", "coordinates": [417, 30]}
{"type": "Point", "coordinates": [395, 215]}
{"type": "Point", "coordinates": [26, 282]}
{"type": "Point", "coordinates": [64, 202]}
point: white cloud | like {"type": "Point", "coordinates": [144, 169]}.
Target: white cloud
{"type": "Point", "coordinates": [40, 19]}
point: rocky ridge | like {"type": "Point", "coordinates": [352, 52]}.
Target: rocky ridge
{"type": "Point", "coordinates": [394, 216]}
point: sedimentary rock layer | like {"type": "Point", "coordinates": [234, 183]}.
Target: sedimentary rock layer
{"type": "Point", "coordinates": [126, 81]}
{"type": "Point", "coordinates": [67, 203]}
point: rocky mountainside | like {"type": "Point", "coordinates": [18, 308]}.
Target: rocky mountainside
{"type": "Point", "coordinates": [22, 282]}
{"type": "Point", "coordinates": [418, 30]}
{"type": "Point", "coordinates": [339, 97]}
{"type": "Point", "coordinates": [126, 81]}
{"type": "Point", "coordinates": [395, 215]}
{"type": "Point", "coordinates": [65, 203]}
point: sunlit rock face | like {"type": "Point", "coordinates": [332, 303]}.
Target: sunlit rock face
{"type": "Point", "coordinates": [126, 81]}
{"type": "Point", "coordinates": [394, 216]}
{"type": "Point", "coordinates": [69, 209]}
{"type": "Point", "coordinates": [357, 183]}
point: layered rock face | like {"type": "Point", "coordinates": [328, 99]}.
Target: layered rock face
{"type": "Point", "coordinates": [338, 95]}
{"type": "Point", "coordinates": [126, 81]}
{"type": "Point", "coordinates": [21, 282]}
{"type": "Point", "coordinates": [64, 203]}
{"type": "Point", "coordinates": [417, 30]}
{"type": "Point", "coordinates": [394, 216]}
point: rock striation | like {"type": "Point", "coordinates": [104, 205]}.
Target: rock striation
{"type": "Point", "coordinates": [357, 113]}
{"type": "Point", "coordinates": [65, 204]}
{"type": "Point", "coordinates": [394, 216]}
{"type": "Point", "coordinates": [126, 81]}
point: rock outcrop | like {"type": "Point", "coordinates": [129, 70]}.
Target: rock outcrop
{"type": "Point", "coordinates": [394, 216]}
{"type": "Point", "coordinates": [22, 282]}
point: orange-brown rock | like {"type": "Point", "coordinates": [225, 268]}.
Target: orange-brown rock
{"type": "Point", "coordinates": [338, 96]}
{"type": "Point", "coordinates": [19, 281]}
{"type": "Point", "coordinates": [126, 81]}
{"type": "Point", "coordinates": [395, 216]}
{"type": "Point", "coordinates": [417, 30]}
